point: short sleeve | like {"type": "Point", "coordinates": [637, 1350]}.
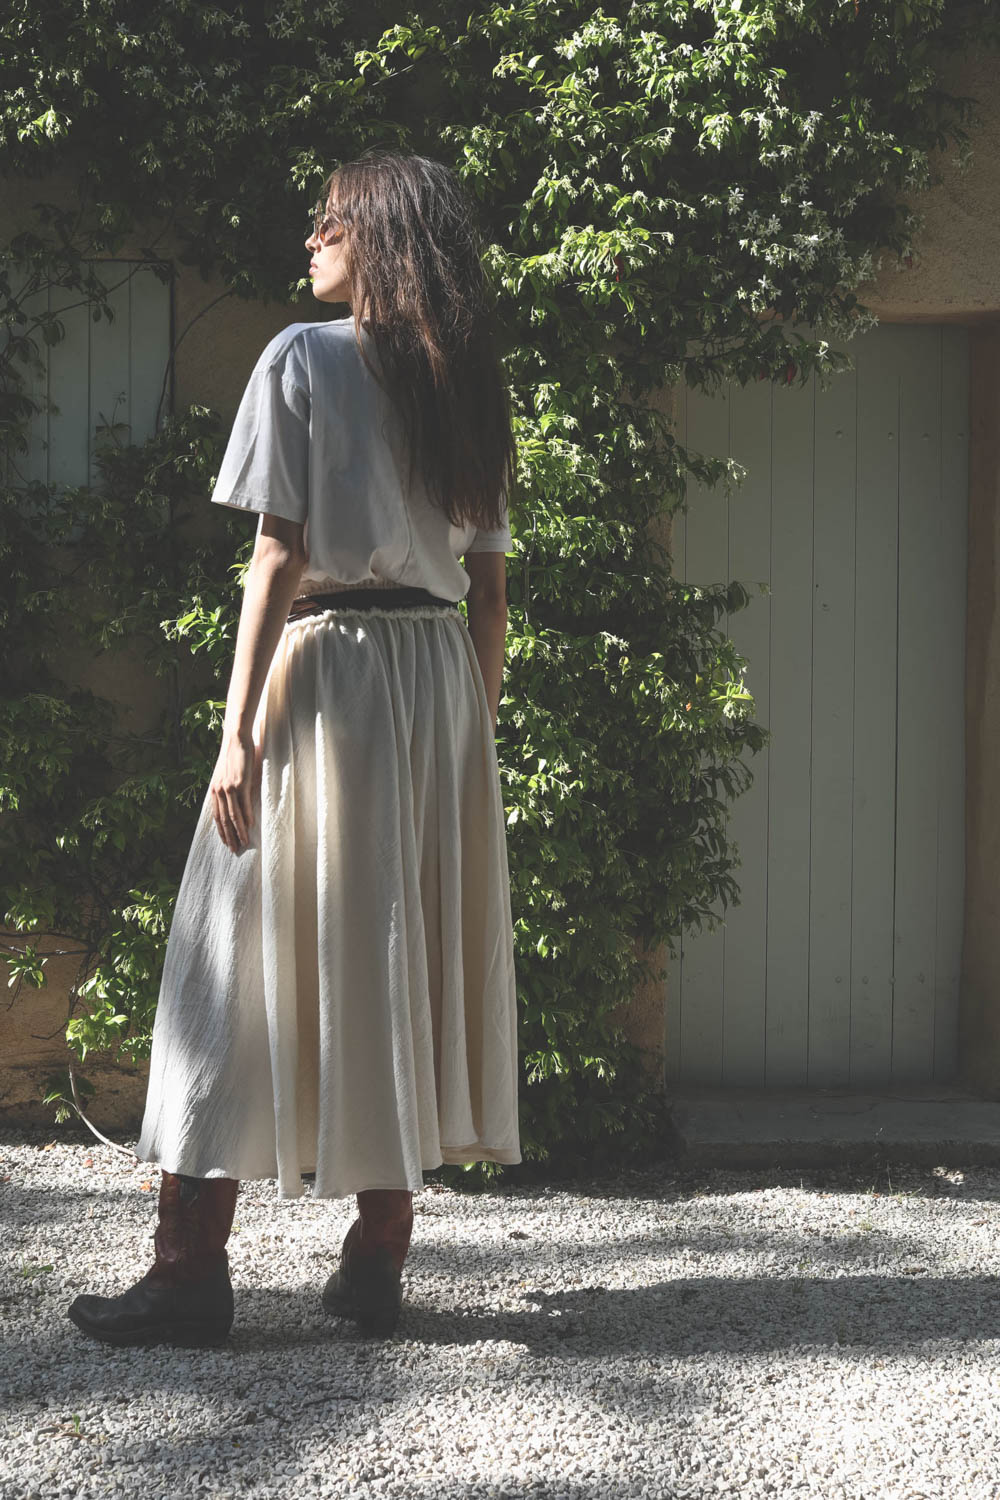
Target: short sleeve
{"type": "Point", "coordinates": [499, 540]}
{"type": "Point", "coordinates": [265, 467]}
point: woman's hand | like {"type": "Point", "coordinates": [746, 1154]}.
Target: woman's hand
{"type": "Point", "coordinates": [233, 787]}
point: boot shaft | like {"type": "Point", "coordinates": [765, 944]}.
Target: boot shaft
{"type": "Point", "coordinates": [385, 1218]}
{"type": "Point", "coordinates": [195, 1219]}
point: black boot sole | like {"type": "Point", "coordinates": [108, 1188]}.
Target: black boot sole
{"type": "Point", "coordinates": [184, 1336]}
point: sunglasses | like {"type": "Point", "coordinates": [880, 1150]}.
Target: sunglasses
{"type": "Point", "coordinates": [327, 227]}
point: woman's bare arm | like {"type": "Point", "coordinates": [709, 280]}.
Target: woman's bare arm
{"type": "Point", "coordinates": [487, 607]}
{"type": "Point", "coordinates": [272, 582]}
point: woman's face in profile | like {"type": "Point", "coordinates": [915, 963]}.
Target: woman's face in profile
{"type": "Point", "coordinates": [328, 267]}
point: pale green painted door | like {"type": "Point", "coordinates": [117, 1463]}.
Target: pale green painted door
{"type": "Point", "coordinates": [841, 964]}
{"type": "Point", "coordinates": [110, 375]}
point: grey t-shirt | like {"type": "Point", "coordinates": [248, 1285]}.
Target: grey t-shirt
{"type": "Point", "coordinates": [316, 440]}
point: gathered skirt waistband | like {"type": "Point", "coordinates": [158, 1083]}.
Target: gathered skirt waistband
{"type": "Point", "coordinates": [354, 599]}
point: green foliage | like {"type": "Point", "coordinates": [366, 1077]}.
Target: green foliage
{"type": "Point", "coordinates": [99, 813]}
{"type": "Point", "coordinates": [667, 189]}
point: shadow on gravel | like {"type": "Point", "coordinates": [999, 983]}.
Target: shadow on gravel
{"type": "Point", "coordinates": [667, 1319]}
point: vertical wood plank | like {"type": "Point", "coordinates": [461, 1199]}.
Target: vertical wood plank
{"type": "Point", "coordinates": [36, 460]}
{"type": "Point", "coordinates": [69, 391]}
{"type": "Point", "coordinates": [22, 468]}
{"type": "Point", "coordinates": [149, 350]}
{"type": "Point", "coordinates": [832, 733]}
{"type": "Point", "coordinates": [874, 818]}
{"type": "Point", "coordinates": [790, 724]}
{"type": "Point", "coordinates": [706, 562]}
{"type": "Point", "coordinates": [745, 997]}
{"type": "Point", "coordinates": [949, 694]}
{"type": "Point", "coordinates": [919, 668]}
{"type": "Point", "coordinates": [673, 1070]}
{"type": "Point", "coordinates": [109, 362]}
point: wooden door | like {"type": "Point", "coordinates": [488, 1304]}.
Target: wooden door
{"type": "Point", "coordinates": [841, 964]}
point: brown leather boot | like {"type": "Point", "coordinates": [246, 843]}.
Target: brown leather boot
{"type": "Point", "coordinates": [186, 1296]}
{"type": "Point", "coordinates": [366, 1285]}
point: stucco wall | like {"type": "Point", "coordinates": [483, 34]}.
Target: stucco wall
{"type": "Point", "coordinates": [955, 277]}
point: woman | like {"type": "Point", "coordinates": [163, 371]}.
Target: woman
{"type": "Point", "coordinates": [338, 992]}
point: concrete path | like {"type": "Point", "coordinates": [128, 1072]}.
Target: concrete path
{"type": "Point", "coordinates": [826, 1127]}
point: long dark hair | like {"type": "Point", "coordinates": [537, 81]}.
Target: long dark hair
{"type": "Point", "coordinates": [414, 264]}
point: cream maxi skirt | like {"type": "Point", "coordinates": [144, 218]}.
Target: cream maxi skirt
{"type": "Point", "coordinates": [339, 997]}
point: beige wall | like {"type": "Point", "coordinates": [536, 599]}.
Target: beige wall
{"type": "Point", "coordinates": [955, 277]}
{"type": "Point", "coordinates": [956, 273]}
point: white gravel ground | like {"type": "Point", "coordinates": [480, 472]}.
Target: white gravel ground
{"type": "Point", "coordinates": [660, 1334]}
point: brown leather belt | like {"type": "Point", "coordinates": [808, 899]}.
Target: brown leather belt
{"type": "Point", "coordinates": [401, 598]}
